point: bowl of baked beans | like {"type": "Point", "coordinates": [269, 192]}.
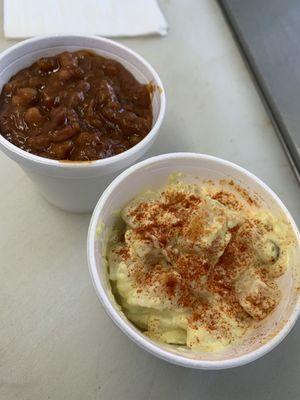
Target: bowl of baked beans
{"type": "Point", "coordinates": [75, 111]}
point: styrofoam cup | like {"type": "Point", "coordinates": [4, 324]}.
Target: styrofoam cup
{"type": "Point", "coordinates": [76, 186]}
{"type": "Point", "coordinates": [153, 174]}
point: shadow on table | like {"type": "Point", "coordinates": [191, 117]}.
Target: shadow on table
{"type": "Point", "coordinates": [275, 376]}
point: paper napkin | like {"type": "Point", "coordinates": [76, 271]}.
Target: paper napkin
{"type": "Point", "coordinates": [27, 18]}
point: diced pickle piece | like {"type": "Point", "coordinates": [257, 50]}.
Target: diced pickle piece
{"type": "Point", "coordinates": [268, 251]}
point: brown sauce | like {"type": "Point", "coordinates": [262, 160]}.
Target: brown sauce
{"type": "Point", "coordinates": [75, 106]}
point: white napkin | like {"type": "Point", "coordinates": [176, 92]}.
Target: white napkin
{"type": "Point", "coordinates": [27, 18]}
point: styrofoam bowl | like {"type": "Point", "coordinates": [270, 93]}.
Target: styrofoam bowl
{"type": "Point", "coordinates": [76, 186]}
{"type": "Point", "coordinates": [153, 174]}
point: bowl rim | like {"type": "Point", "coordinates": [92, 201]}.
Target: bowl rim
{"type": "Point", "coordinates": [94, 163]}
{"type": "Point", "coordinates": [133, 333]}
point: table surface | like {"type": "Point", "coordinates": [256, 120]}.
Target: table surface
{"type": "Point", "coordinates": [56, 342]}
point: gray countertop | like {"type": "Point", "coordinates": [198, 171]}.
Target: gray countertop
{"type": "Point", "coordinates": [55, 340]}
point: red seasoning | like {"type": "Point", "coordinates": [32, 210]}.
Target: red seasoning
{"type": "Point", "coordinates": [202, 256]}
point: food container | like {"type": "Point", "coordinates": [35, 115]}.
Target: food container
{"type": "Point", "coordinates": [152, 174]}
{"type": "Point", "coordinates": [76, 186]}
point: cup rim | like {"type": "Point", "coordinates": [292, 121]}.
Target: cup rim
{"type": "Point", "coordinates": [132, 332]}
{"type": "Point", "coordinates": [105, 162]}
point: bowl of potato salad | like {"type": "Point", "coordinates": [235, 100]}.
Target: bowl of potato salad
{"type": "Point", "coordinates": [196, 260]}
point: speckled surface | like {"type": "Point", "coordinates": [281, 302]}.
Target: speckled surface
{"type": "Point", "coordinates": [55, 340]}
